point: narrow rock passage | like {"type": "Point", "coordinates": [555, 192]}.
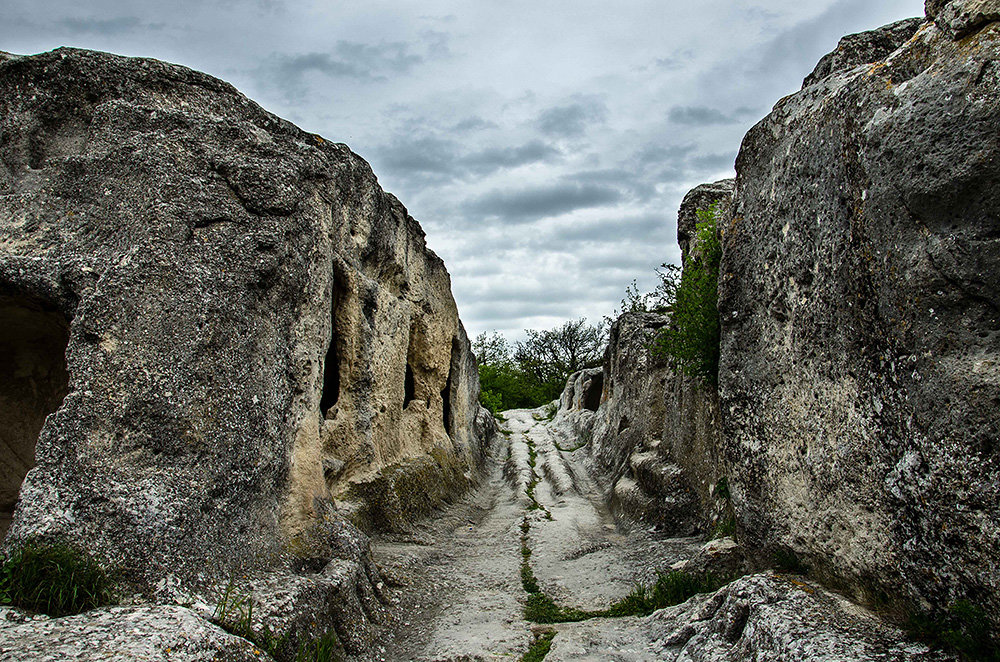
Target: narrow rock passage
{"type": "Point", "coordinates": [461, 596]}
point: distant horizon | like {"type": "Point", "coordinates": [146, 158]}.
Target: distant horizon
{"type": "Point", "coordinates": [544, 149]}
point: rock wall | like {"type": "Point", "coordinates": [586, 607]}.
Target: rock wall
{"type": "Point", "coordinates": [655, 434]}
{"type": "Point", "coordinates": [243, 340]}
{"type": "Point", "coordinates": [860, 299]}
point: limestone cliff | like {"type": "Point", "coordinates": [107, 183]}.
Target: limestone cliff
{"type": "Point", "coordinates": [654, 433]}
{"type": "Point", "coordinates": [225, 337]}
{"type": "Point", "coordinates": [858, 405]}
{"type": "Point", "coordinates": [860, 302]}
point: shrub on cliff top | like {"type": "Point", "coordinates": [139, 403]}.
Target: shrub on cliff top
{"type": "Point", "coordinates": [690, 344]}
{"type": "Point", "coordinates": [54, 579]}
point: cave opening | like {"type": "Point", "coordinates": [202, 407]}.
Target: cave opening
{"type": "Point", "coordinates": [409, 386]}
{"type": "Point", "coordinates": [449, 386]}
{"type": "Point", "coordinates": [33, 382]}
{"type": "Point", "coordinates": [334, 353]}
{"type": "Point", "coordinates": [592, 392]}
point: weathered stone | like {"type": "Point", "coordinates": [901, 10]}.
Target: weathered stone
{"type": "Point", "coordinates": [121, 634]}
{"type": "Point", "coordinates": [722, 558]}
{"type": "Point", "coordinates": [864, 48]}
{"type": "Point", "coordinates": [251, 327]}
{"type": "Point", "coordinates": [759, 617]}
{"type": "Point", "coordinates": [654, 434]}
{"type": "Point", "coordinates": [960, 18]}
{"type": "Point", "coordinates": [698, 199]}
{"type": "Point", "coordinates": [860, 304]}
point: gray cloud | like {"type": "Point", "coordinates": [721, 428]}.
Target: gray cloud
{"type": "Point", "coordinates": [107, 27]}
{"type": "Point", "coordinates": [494, 158]}
{"type": "Point", "coordinates": [474, 123]}
{"type": "Point", "coordinates": [614, 230]}
{"type": "Point", "coordinates": [417, 159]}
{"type": "Point", "coordinates": [572, 120]}
{"type": "Point", "coordinates": [524, 205]}
{"type": "Point", "coordinates": [714, 161]}
{"type": "Point", "coordinates": [350, 60]}
{"type": "Point", "coordinates": [698, 116]}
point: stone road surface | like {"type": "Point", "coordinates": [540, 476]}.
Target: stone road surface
{"type": "Point", "coordinates": [461, 596]}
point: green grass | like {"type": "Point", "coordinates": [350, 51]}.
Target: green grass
{"type": "Point", "coordinates": [54, 579]}
{"type": "Point", "coordinates": [234, 613]}
{"type": "Point", "coordinates": [670, 589]}
{"type": "Point", "coordinates": [964, 629]}
{"type": "Point", "coordinates": [540, 608]}
{"type": "Point", "coordinates": [539, 648]}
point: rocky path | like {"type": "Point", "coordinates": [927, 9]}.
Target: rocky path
{"type": "Point", "coordinates": [461, 595]}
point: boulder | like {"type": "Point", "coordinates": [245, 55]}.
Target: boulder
{"type": "Point", "coordinates": [862, 48]}
{"type": "Point", "coordinates": [218, 333]}
{"type": "Point", "coordinates": [759, 617]}
{"type": "Point", "coordinates": [121, 634]}
{"type": "Point", "coordinates": [860, 306]}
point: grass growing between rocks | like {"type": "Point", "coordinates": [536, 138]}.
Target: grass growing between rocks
{"type": "Point", "coordinates": [539, 648]}
{"type": "Point", "coordinates": [234, 614]}
{"type": "Point", "coordinates": [529, 489]}
{"type": "Point", "coordinates": [670, 589]}
{"type": "Point", "coordinates": [965, 629]}
{"type": "Point", "coordinates": [54, 579]}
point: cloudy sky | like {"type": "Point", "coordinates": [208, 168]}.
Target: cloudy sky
{"type": "Point", "coordinates": [543, 145]}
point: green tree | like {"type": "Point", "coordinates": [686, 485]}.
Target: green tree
{"type": "Point", "coordinates": [691, 342]}
{"type": "Point", "coordinates": [531, 373]}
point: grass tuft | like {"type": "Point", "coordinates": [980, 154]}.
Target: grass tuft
{"type": "Point", "coordinates": [670, 589]}
{"type": "Point", "coordinates": [234, 613]}
{"type": "Point", "coordinates": [540, 608]}
{"type": "Point", "coordinates": [965, 629]}
{"type": "Point", "coordinates": [54, 579]}
{"type": "Point", "coordinates": [539, 648]}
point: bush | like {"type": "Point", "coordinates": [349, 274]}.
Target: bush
{"type": "Point", "coordinates": [491, 400]}
{"type": "Point", "coordinates": [690, 343]}
{"type": "Point", "coordinates": [54, 579]}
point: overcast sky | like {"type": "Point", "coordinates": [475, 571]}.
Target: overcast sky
{"type": "Point", "coordinates": [543, 145]}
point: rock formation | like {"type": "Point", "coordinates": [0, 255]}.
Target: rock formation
{"type": "Point", "coordinates": [860, 302]}
{"type": "Point", "coordinates": [226, 339]}
{"type": "Point", "coordinates": [655, 434]}
{"type": "Point", "coordinates": [858, 397]}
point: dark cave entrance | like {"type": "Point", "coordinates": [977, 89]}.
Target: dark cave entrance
{"type": "Point", "coordinates": [334, 353]}
{"type": "Point", "coordinates": [409, 386]}
{"type": "Point", "coordinates": [592, 392]}
{"type": "Point", "coordinates": [449, 386]}
{"type": "Point", "coordinates": [33, 383]}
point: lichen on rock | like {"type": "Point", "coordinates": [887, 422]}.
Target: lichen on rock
{"type": "Point", "coordinates": [237, 302]}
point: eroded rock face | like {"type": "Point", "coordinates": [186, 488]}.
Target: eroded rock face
{"type": "Point", "coordinates": [765, 616]}
{"type": "Point", "coordinates": [653, 435]}
{"type": "Point", "coordinates": [253, 330]}
{"type": "Point", "coordinates": [121, 634]}
{"type": "Point", "coordinates": [860, 302]}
